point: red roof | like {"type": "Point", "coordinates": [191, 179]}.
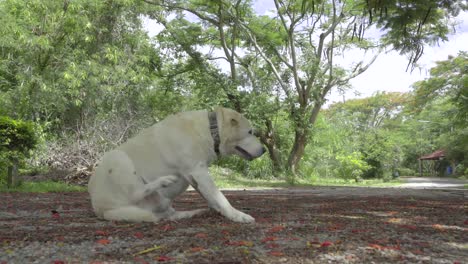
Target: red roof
{"type": "Point", "coordinates": [436, 155]}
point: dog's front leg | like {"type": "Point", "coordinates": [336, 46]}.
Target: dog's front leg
{"type": "Point", "coordinates": [201, 180]}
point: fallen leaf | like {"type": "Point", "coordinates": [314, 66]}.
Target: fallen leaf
{"type": "Point", "coordinates": [269, 238]}
{"type": "Point", "coordinates": [410, 227]}
{"type": "Point", "coordinates": [326, 244]}
{"type": "Point", "coordinates": [201, 235]}
{"type": "Point", "coordinates": [272, 245]}
{"type": "Point", "coordinates": [379, 247]}
{"type": "Point", "coordinates": [138, 235]}
{"type": "Point", "coordinates": [276, 253]}
{"type": "Point", "coordinates": [58, 262]}
{"type": "Point", "coordinates": [103, 241]}
{"type": "Point", "coordinates": [466, 222]}
{"type": "Point", "coordinates": [147, 250]}
{"type": "Point", "coordinates": [439, 227]}
{"type": "Point", "coordinates": [100, 233]}
{"type": "Point", "coordinates": [163, 258]}
{"type": "Point", "coordinates": [240, 243]}
{"type": "Point", "coordinates": [276, 229]}
{"type": "Point", "coordinates": [314, 244]}
{"type": "Point", "coordinates": [166, 228]}
{"type": "Point", "coordinates": [55, 215]}
{"type": "Point", "coordinates": [197, 249]}
{"type": "Point", "coordinates": [376, 246]}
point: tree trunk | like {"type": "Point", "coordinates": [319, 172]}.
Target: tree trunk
{"type": "Point", "coordinates": [12, 177]}
{"type": "Point", "coordinates": [268, 139]}
{"type": "Point", "coordinates": [275, 156]}
{"type": "Point", "coordinates": [297, 151]}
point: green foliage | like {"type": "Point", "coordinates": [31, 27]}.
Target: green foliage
{"type": "Point", "coordinates": [17, 140]}
{"type": "Point", "coordinates": [17, 136]}
{"type": "Point", "coordinates": [449, 78]}
{"type": "Point", "coordinates": [351, 166]}
{"type": "Point", "coordinates": [89, 74]}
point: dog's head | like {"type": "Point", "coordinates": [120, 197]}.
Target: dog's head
{"type": "Point", "coordinates": [236, 135]}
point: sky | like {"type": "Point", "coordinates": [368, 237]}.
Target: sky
{"type": "Point", "coordinates": [388, 73]}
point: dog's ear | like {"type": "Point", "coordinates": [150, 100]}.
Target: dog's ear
{"type": "Point", "coordinates": [234, 122]}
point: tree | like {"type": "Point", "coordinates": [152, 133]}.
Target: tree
{"type": "Point", "coordinates": [442, 102]}
{"type": "Point", "coordinates": [65, 61]}
{"type": "Point", "coordinates": [448, 79]}
{"type": "Point", "coordinates": [297, 49]}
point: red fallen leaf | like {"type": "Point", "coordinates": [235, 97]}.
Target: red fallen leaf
{"type": "Point", "coordinates": [269, 238]}
{"type": "Point", "coordinates": [201, 235]}
{"type": "Point", "coordinates": [466, 222]}
{"type": "Point", "coordinates": [138, 235]}
{"type": "Point", "coordinates": [272, 245]}
{"type": "Point", "coordinates": [163, 258]}
{"type": "Point", "coordinates": [456, 262]}
{"type": "Point", "coordinates": [55, 215]}
{"type": "Point", "coordinates": [103, 241]}
{"type": "Point", "coordinates": [166, 228]}
{"type": "Point", "coordinates": [276, 229]}
{"type": "Point", "coordinates": [276, 253]}
{"type": "Point", "coordinates": [417, 252]}
{"type": "Point", "coordinates": [225, 232]}
{"type": "Point", "coordinates": [100, 233]}
{"type": "Point", "coordinates": [197, 249]}
{"type": "Point", "coordinates": [58, 262]}
{"type": "Point", "coordinates": [356, 231]}
{"type": "Point", "coordinates": [410, 227]}
{"type": "Point", "coordinates": [326, 244]}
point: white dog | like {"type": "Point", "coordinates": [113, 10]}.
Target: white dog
{"type": "Point", "coordinates": [139, 180]}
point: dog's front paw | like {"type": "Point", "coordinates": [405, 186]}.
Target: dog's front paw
{"type": "Point", "coordinates": [241, 217]}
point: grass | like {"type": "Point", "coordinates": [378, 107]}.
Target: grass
{"type": "Point", "coordinates": [224, 179]}
{"type": "Point", "coordinates": [235, 180]}
{"type": "Point", "coordinates": [43, 187]}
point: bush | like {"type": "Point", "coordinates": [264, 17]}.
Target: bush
{"type": "Point", "coordinates": [351, 166]}
{"type": "Point", "coordinates": [406, 172]}
{"type": "Point", "coordinates": [17, 139]}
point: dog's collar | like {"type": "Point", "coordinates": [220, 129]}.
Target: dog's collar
{"type": "Point", "coordinates": [214, 130]}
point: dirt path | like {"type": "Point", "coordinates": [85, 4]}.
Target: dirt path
{"type": "Point", "coordinates": [433, 183]}
{"type": "Point", "coordinates": [296, 225]}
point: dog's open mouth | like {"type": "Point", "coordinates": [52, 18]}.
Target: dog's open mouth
{"type": "Point", "coordinates": [244, 153]}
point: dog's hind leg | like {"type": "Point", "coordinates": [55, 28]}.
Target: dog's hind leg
{"type": "Point", "coordinates": [130, 213]}
{"type": "Point", "coordinates": [153, 187]}
{"type": "Point", "coordinates": [176, 215]}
